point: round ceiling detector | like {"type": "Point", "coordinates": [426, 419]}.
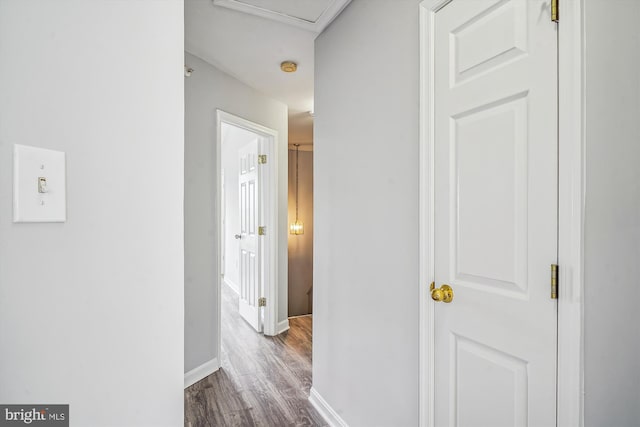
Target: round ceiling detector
{"type": "Point", "coordinates": [289, 67]}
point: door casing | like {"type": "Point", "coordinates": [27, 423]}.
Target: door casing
{"type": "Point", "coordinates": [571, 123]}
{"type": "Point", "coordinates": [269, 188]}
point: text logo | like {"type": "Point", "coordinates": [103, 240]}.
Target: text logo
{"type": "Point", "coordinates": [34, 415]}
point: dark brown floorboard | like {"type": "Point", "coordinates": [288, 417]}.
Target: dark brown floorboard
{"type": "Point", "coordinates": [263, 381]}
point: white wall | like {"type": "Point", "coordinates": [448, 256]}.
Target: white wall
{"type": "Point", "coordinates": [91, 310]}
{"type": "Point", "coordinates": [612, 240]}
{"type": "Point", "coordinates": [365, 326]}
{"type": "Point", "coordinates": [301, 245]}
{"type": "Point", "coordinates": [206, 90]}
{"type": "Point", "coordinates": [233, 138]}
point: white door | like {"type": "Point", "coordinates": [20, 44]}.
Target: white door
{"type": "Point", "coordinates": [495, 213]}
{"type": "Point", "coordinates": [250, 250]}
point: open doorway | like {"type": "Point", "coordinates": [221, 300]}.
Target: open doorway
{"type": "Point", "coordinates": [232, 371]}
{"type": "Point", "coordinates": [248, 227]}
{"type": "Point", "coordinates": [300, 266]}
{"type": "Point", "coordinates": [262, 378]}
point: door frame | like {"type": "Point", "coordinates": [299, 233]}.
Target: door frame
{"type": "Point", "coordinates": [571, 181]}
{"type": "Point", "coordinates": [268, 175]}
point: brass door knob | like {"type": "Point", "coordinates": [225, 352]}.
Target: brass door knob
{"type": "Point", "coordinates": [442, 294]}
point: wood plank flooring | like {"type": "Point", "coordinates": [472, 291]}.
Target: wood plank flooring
{"type": "Point", "coordinates": [263, 381]}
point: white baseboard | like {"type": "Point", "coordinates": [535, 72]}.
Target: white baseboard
{"type": "Point", "coordinates": [301, 315]}
{"type": "Point", "coordinates": [232, 285]}
{"type": "Point", "coordinates": [330, 416]}
{"type": "Point", "coordinates": [201, 372]}
{"type": "Point", "coordinates": [282, 326]}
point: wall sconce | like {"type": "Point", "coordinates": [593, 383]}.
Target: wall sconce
{"type": "Point", "coordinates": [296, 227]}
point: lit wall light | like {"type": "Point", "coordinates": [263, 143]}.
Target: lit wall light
{"type": "Point", "coordinates": [296, 227]}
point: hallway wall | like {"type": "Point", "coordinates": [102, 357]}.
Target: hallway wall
{"type": "Point", "coordinates": [301, 246]}
{"type": "Point", "coordinates": [91, 310]}
{"type": "Point", "coordinates": [206, 90]}
{"type": "Point", "coordinates": [612, 216]}
{"type": "Point", "coordinates": [365, 320]}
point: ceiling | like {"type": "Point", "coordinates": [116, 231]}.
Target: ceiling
{"type": "Point", "coordinates": [248, 39]}
{"type": "Point", "coordinates": [306, 10]}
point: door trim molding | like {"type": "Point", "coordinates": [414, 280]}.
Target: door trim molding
{"type": "Point", "coordinates": [570, 377]}
{"type": "Point", "coordinates": [428, 9]}
{"type": "Point", "coordinates": [571, 183]}
{"type": "Point", "coordinates": [269, 189]}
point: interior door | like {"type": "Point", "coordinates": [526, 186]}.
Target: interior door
{"type": "Point", "coordinates": [250, 251]}
{"type": "Point", "coordinates": [495, 213]}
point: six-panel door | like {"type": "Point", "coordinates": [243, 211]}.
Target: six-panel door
{"type": "Point", "coordinates": [495, 213]}
{"type": "Point", "coordinates": [250, 254]}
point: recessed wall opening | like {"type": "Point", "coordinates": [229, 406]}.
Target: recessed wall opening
{"type": "Point", "coordinates": [300, 295]}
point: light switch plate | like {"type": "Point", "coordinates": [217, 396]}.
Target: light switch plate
{"type": "Point", "coordinates": [30, 166]}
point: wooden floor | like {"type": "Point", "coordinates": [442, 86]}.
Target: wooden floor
{"type": "Point", "coordinates": [263, 381]}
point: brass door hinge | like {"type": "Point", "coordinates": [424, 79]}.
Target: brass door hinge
{"type": "Point", "coordinates": [262, 231]}
{"type": "Point", "coordinates": [262, 302]}
{"type": "Point", "coordinates": [554, 281]}
{"type": "Point", "coordinates": [554, 10]}
{"type": "Point", "coordinates": [262, 159]}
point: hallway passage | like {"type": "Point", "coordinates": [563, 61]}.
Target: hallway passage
{"type": "Point", "coordinates": [263, 381]}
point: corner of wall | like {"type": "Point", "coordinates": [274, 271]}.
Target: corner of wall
{"type": "Point", "coordinates": [201, 372]}
{"type": "Point", "coordinates": [325, 410]}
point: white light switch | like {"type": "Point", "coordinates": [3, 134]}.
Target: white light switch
{"type": "Point", "coordinates": [39, 185]}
